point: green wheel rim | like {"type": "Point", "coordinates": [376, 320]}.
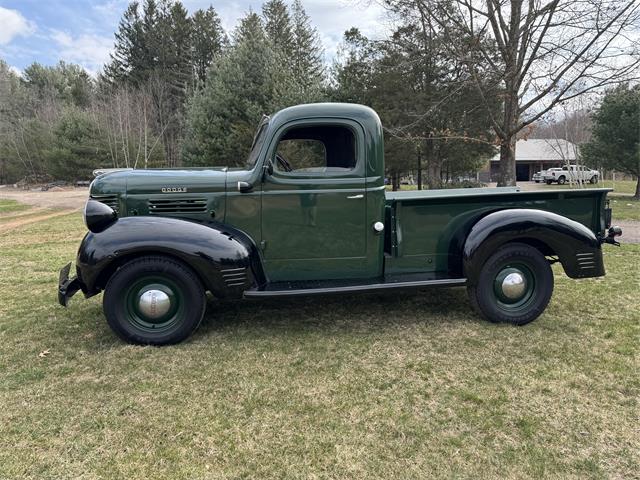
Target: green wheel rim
{"type": "Point", "coordinates": [164, 322]}
{"type": "Point", "coordinates": [522, 301]}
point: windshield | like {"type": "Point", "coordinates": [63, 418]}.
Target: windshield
{"type": "Point", "coordinates": [258, 141]}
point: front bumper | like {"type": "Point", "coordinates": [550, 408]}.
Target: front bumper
{"type": "Point", "coordinates": [67, 287]}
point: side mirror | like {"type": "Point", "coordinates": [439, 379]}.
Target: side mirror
{"type": "Point", "coordinates": [244, 187]}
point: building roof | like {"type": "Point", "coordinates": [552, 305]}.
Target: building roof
{"type": "Point", "coordinates": [547, 150]}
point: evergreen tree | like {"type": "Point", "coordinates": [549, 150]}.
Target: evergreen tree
{"type": "Point", "coordinates": [77, 147]}
{"type": "Point", "coordinates": [278, 26]}
{"type": "Point", "coordinates": [67, 83]}
{"type": "Point", "coordinates": [153, 52]}
{"type": "Point", "coordinates": [245, 85]}
{"type": "Point", "coordinates": [431, 121]}
{"type": "Point", "coordinates": [353, 70]}
{"type": "Point", "coordinates": [129, 52]}
{"type": "Point", "coordinates": [616, 133]}
{"type": "Point", "coordinates": [173, 74]}
{"type": "Point", "coordinates": [208, 41]}
{"type": "Point", "coordinates": [307, 53]}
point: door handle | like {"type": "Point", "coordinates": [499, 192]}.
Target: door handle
{"type": "Point", "coordinates": [244, 187]}
{"type": "Point", "coordinates": [354, 197]}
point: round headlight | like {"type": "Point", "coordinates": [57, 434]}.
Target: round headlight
{"type": "Point", "coordinates": [98, 216]}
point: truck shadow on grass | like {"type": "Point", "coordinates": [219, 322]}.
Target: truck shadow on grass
{"type": "Point", "coordinates": [339, 313]}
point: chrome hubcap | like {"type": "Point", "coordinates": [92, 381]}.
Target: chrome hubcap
{"type": "Point", "coordinates": [514, 286]}
{"type": "Point", "coordinates": [154, 304]}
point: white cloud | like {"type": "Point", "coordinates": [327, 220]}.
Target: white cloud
{"type": "Point", "coordinates": [13, 25]}
{"type": "Point", "coordinates": [90, 51]}
{"type": "Point", "coordinates": [15, 70]}
{"type": "Point", "coordinates": [110, 11]}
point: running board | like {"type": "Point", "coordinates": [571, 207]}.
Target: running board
{"type": "Point", "coordinates": [291, 292]}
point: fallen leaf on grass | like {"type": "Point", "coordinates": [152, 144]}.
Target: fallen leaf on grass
{"type": "Point", "coordinates": [44, 353]}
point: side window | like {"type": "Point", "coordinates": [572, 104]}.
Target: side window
{"type": "Point", "coordinates": [302, 154]}
{"type": "Point", "coordinates": [316, 149]}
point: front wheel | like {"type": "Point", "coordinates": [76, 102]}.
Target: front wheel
{"type": "Point", "coordinates": [514, 286]}
{"type": "Point", "coordinates": [594, 180]}
{"type": "Point", "coordinates": [549, 182]}
{"type": "Point", "coordinates": [562, 181]}
{"type": "Point", "coordinates": [154, 301]}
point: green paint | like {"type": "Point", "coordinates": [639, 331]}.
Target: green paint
{"type": "Point", "coordinates": [314, 226]}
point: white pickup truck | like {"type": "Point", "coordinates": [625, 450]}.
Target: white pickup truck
{"type": "Point", "coordinates": [575, 173]}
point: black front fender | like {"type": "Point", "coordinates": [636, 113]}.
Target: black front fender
{"type": "Point", "coordinates": [577, 247]}
{"type": "Point", "coordinates": [226, 260]}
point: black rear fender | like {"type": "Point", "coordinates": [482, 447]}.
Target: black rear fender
{"type": "Point", "coordinates": [577, 247]}
{"type": "Point", "coordinates": [225, 259]}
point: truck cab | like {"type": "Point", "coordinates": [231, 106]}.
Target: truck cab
{"type": "Point", "coordinates": [309, 214]}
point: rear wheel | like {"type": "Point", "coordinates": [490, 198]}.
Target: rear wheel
{"type": "Point", "coordinates": [562, 180]}
{"type": "Point", "coordinates": [514, 286]}
{"type": "Point", "coordinates": [154, 301]}
{"type": "Point", "coordinates": [594, 179]}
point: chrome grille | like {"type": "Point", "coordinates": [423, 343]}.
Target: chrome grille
{"type": "Point", "coordinates": [177, 205]}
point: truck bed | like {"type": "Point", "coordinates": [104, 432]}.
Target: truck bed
{"type": "Point", "coordinates": [424, 226]}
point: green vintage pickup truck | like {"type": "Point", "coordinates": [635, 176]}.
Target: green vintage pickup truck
{"type": "Point", "coordinates": [309, 214]}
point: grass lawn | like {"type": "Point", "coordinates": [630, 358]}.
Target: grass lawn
{"type": "Point", "coordinates": [11, 206]}
{"type": "Point", "coordinates": [625, 208]}
{"type": "Point", "coordinates": [372, 386]}
{"type": "Point", "coordinates": [623, 186]}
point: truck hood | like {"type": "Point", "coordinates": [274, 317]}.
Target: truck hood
{"type": "Point", "coordinates": [156, 182]}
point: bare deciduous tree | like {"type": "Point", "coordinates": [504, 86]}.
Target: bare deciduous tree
{"type": "Point", "coordinates": [125, 120]}
{"type": "Point", "coordinates": [541, 52]}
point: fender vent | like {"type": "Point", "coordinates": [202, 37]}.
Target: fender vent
{"type": "Point", "coordinates": [586, 261]}
{"type": "Point", "coordinates": [234, 277]}
{"type": "Point", "coordinates": [177, 205]}
{"type": "Point", "coordinates": [110, 200]}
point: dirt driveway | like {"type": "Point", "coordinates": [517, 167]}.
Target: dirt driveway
{"type": "Point", "coordinates": [67, 199]}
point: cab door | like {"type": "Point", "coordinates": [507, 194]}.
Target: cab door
{"type": "Point", "coordinates": [314, 202]}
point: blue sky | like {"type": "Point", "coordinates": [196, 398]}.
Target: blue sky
{"type": "Point", "coordinates": [81, 31]}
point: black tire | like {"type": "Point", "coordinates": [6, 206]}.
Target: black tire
{"type": "Point", "coordinates": [537, 181]}
{"type": "Point", "coordinates": [562, 180]}
{"type": "Point", "coordinates": [549, 182]}
{"type": "Point", "coordinates": [488, 300]}
{"type": "Point", "coordinates": [593, 180]}
{"type": "Point", "coordinates": [154, 276]}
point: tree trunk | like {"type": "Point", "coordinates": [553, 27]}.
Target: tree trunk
{"type": "Point", "coordinates": [395, 181]}
{"type": "Point", "coordinates": [507, 176]}
{"type": "Point", "coordinates": [508, 138]}
{"type": "Point", "coordinates": [434, 174]}
{"type": "Point", "coordinates": [419, 170]}
{"type": "Point", "coordinates": [434, 166]}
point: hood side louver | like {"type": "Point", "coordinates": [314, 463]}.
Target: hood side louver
{"type": "Point", "coordinates": [110, 200]}
{"type": "Point", "coordinates": [177, 205]}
